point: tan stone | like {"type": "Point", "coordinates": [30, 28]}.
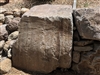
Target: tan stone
{"type": "Point", "coordinates": [2, 44]}
{"type": "Point", "coordinates": [2, 18]}
{"type": "Point", "coordinates": [45, 39]}
{"type": "Point", "coordinates": [23, 10]}
{"type": "Point", "coordinates": [5, 65]}
{"type": "Point", "coordinates": [1, 23]}
{"type": "Point", "coordinates": [2, 10]}
{"type": "Point", "coordinates": [85, 48]}
{"type": "Point", "coordinates": [8, 13]}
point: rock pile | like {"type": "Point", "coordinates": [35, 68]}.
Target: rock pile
{"type": "Point", "coordinates": [48, 39]}
{"type": "Point", "coordinates": [8, 35]}
{"type": "Point", "coordinates": [86, 54]}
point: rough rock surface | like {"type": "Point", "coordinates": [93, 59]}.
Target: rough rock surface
{"type": "Point", "coordinates": [5, 65]}
{"type": "Point", "coordinates": [88, 22]}
{"type": "Point", "coordinates": [45, 39]}
{"type": "Point", "coordinates": [3, 32]}
{"type": "Point", "coordinates": [90, 61]}
{"type": "Point", "coordinates": [13, 25]}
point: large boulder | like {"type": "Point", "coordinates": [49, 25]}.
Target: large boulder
{"type": "Point", "coordinates": [87, 21]}
{"type": "Point", "coordinates": [45, 39]}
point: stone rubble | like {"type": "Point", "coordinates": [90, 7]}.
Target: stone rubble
{"type": "Point", "coordinates": [86, 40]}
{"type": "Point", "coordinates": [8, 36]}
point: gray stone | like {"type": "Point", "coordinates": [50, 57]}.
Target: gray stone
{"type": "Point", "coordinates": [85, 48]}
{"type": "Point", "coordinates": [90, 62]}
{"type": "Point", "coordinates": [8, 18]}
{"type": "Point", "coordinates": [13, 25]}
{"type": "Point", "coordinates": [2, 44]}
{"type": "Point", "coordinates": [8, 47]}
{"type": "Point", "coordinates": [3, 32]}
{"type": "Point", "coordinates": [82, 42]}
{"type": "Point", "coordinates": [5, 65]}
{"type": "Point", "coordinates": [76, 56]}
{"type": "Point", "coordinates": [45, 39]}
{"type": "Point", "coordinates": [88, 22]}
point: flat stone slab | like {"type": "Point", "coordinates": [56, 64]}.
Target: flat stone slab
{"type": "Point", "coordinates": [45, 39]}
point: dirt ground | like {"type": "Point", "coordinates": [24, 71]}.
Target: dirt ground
{"type": "Point", "coordinates": [15, 71]}
{"type": "Point", "coordinates": [29, 3]}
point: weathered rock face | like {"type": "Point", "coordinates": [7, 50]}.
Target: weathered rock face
{"type": "Point", "coordinates": [88, 23]}
{"type": "Point", "coordinates": [45, 39]}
